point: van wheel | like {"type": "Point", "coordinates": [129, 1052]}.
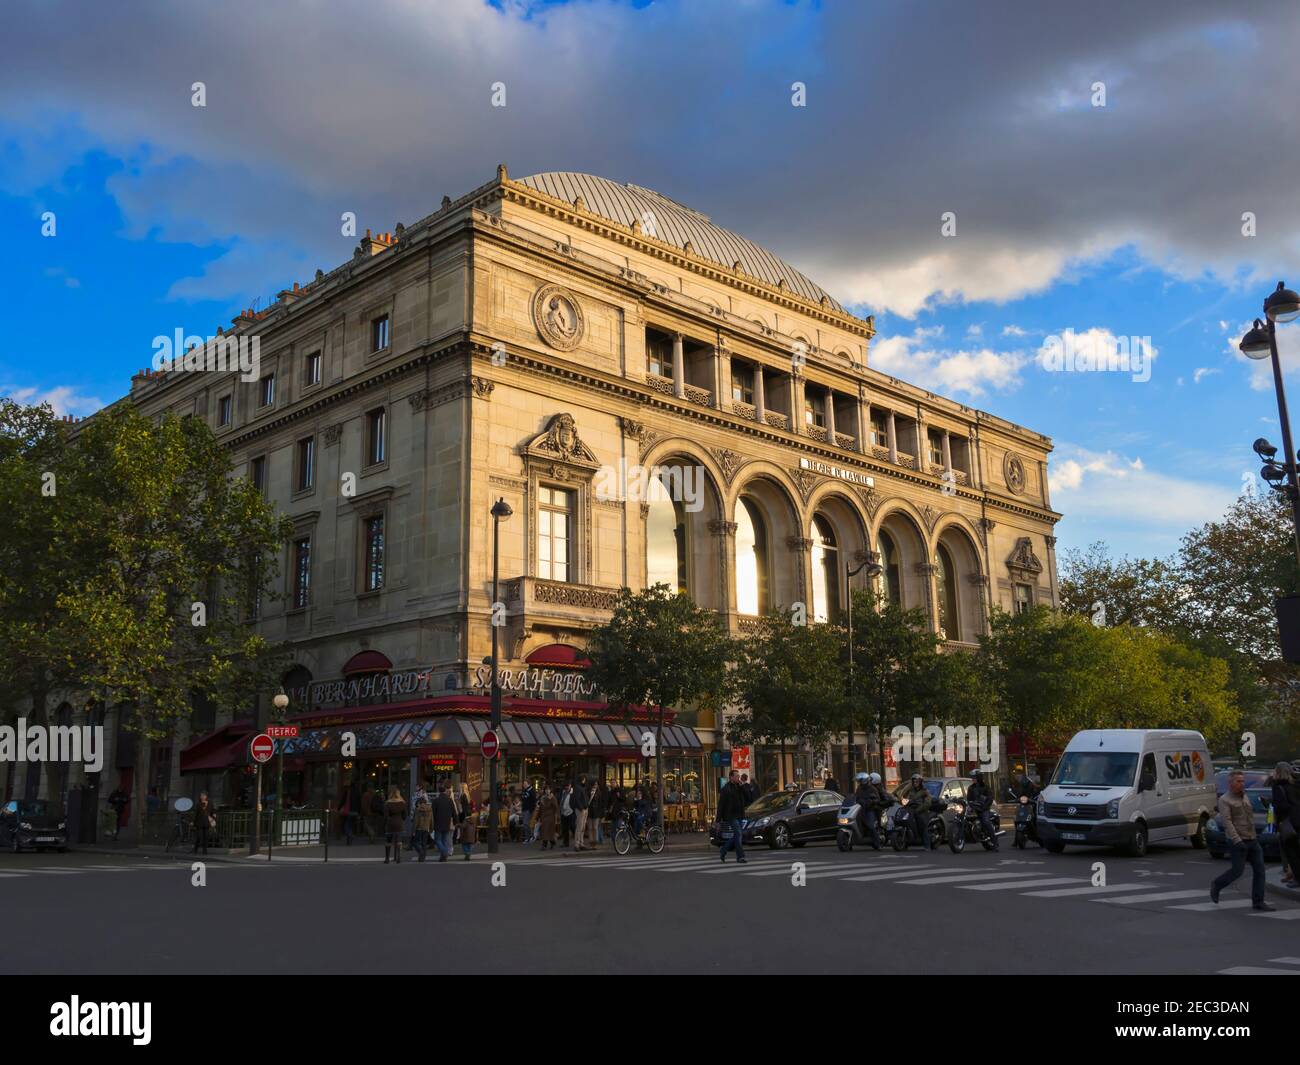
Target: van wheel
{"type": "Point", "coordinates": [1138, 848]}
{"type": "Point", "coordinates": [1055, 848]}
{"type": "Point", "coordinates": [1199, 841]}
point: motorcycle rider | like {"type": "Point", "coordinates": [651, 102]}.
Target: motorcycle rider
{"type": "Point", "coordinates": [918, 798]}
{"type": "Point", "coordinates": [868, 799]}
{"type": "Point", "coordinates": [980, 799]}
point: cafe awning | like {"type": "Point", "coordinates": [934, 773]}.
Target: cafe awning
{"type": "Point", "coordinates": [219, 749]}
{"type": "Point", "coordinates": [467, 732]}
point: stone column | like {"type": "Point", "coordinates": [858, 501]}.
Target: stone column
{"type": "Point", "coordinates": [864, 423]}
{"type": "Point", "coordinates": [926, 571]}
{"type": "Point", "coordinates": [947, 452]}
{"type": "Point", "coordinates": [760, 400]}
{"type": "Point", "coordinates": [830, 417]}
{"type": "Point", "coordinates": [922, 450]}
{"type": "Point", "coordinates": [893, 439]}
{"type": "Point", "coordinates": [722, 375]}
{"type": "Point", "coordinates": [679, 368]}
{"type": "Point", "coordinates": [725, 531]}
{"type": "Point", "coordinates": [796, 404]}
{"type": "Point", "coordinates": [801, 548]}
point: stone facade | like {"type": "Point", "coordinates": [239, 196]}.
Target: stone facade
{"type": "Point", "coordinates": [520, 335]}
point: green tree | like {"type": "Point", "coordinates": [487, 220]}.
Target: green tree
{"type": "Point", "coordinates": [894, 664]}
{"type": "Point", "coordinates": [658, 649]}
{"type": "Point", "coordinates": [787, 683]}
{"type": "Point", "coordinates": [181, 549]}
{"type": "Point", "coordinates": [1129, 591]}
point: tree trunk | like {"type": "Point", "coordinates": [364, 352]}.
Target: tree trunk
{"type": "Point", "coordinates": [659, 762]}
{"type": "Point", "coordinates": [141, 789]}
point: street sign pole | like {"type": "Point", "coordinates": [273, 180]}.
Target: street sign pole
{"type": "Point", "coordinates": [254, 842]}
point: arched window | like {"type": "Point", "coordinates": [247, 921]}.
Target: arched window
{"type": "Point", "coordinates": [825, 570]}
{"type": "Point", "coordinates": [949, 618]}
{"type": "Point", "coordinates": [890, 579]}
{"type": "Point", "coordinates": [665, 537]}
{"type": "Point", "coordinates": [751, 560]}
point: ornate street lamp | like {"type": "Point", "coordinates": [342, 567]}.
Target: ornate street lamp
{"type": "Point", "coordinates": [500, 512]}
{"type": "Point", "coordinates": [874, 569]}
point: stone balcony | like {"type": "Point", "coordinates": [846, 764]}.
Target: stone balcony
{"type": "Point", "coordinates": [529, 600]}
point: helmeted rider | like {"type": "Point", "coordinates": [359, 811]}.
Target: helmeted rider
{"type": "Point", "coordinates": [867, 796]}
{"type": "Point", "coordinates": [918, 801]}
{"type": "Point", "coordinates": [980, 799]}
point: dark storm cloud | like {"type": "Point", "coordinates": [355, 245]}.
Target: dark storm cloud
{"type": "Point", "coordinates": [912, 110]}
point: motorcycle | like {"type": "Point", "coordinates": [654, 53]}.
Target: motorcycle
{"type": "Point", "coordinates": [850, 831]}
{"type": "Point", "coordinates": [967, 825]}
{"type": "Point", "coordinates": [1026, 823]}
{"type": "Point", "coordinates": [903, 830]}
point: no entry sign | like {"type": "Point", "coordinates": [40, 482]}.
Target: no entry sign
{"type": "Point", "coordinates": [261, 747]}
{"type": "Point", "coordinates": [491, 744]}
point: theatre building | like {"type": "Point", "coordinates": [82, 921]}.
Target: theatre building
{"type": "Point", "coordinates": [561, 342]}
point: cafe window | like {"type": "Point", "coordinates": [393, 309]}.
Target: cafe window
{"type": "Point", "coordinates": [554, 533]}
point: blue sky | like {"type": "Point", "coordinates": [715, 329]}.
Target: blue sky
{"type": "Point", "coordinates": [1118, 220]}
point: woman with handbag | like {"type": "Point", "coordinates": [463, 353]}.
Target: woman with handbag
{"type": "Point", "coordinates": [1286, 815]}
{"type": "Point", "coordinates": [394, 823]}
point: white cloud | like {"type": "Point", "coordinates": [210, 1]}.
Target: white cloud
{"type": "Point", "coordinates": [65, 399]}
{"type": "Point", "coordinates": [1109, 489]}
{"type": "Point", "coordinates": [1014, 331]}
{"type": "Point", "coordinates": [973, 372]}
{"type": "Point", "coordinates": [1204, 371]}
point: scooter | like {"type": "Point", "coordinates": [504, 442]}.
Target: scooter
{"type": "Point", "coordinates": [904, 829]}
{"type": "Point", "coordinates": [1026, 823]}
{"type": "Point", "coordinates": [850, 827]}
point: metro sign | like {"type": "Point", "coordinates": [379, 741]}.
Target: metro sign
{"type": "Point", "coordinates": [282, 732]}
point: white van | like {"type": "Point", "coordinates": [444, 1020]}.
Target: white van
{"type": "Point", "coordinates": [1127, 788]}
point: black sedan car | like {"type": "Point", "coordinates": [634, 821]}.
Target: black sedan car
{"type": "Point", "coordinates": [1270, 842]}
{"type": "Point", "coordinates": [32, 823]}
{"type": "Point", "coordinates": [787, 819]}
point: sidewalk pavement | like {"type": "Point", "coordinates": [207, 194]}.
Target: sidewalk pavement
{"type": "Point", "coordinates": [360, 852]}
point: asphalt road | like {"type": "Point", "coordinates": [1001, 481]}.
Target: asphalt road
{"type": "Point", "coordinates": [683, 911]}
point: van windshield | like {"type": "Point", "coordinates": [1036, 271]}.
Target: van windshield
{"type": "Point", "coordinates": [1096, 769]}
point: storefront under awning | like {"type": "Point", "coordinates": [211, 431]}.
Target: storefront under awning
{"type": "Point", "coordinates": [459, 732]}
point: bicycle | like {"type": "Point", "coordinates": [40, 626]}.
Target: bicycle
{"type": "Point", "coordinates": [652, 837]}
{"type": "Point", "coordinates": [182, 834]}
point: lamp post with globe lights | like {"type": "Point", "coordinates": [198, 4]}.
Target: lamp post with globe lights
{"type": "Point", "coordinates": [1260, 342]}
{"type": "Point", "coordinates": [874, 569]}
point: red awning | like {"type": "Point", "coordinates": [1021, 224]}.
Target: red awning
{"type": "Point", "coordinates": [558, 656]}
{"type": "Point", "coordinates": [367, 662]}
{"type": "Point", "coordinates": [218, 749]}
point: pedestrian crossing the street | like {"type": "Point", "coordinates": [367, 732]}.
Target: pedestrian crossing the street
{"type": "Point", "coordinates": [915, 871]}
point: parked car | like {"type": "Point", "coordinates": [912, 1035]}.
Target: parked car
{"type": "Point", "coordinates": [1261, 800]}
{"type": "Point", "coordinates": [1254, 778]}
{"type": "Point", "coordinates": [793, 818]}
{"type": "Point", "coordinates": [33, 823]}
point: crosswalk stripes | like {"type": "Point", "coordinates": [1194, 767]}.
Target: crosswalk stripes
{"type": "Point", "coordinates": [1265, 970]}
{"type": "Point", "coordinates": [1162, 896]}
{"type": "Point", "coordinates": [958, 878]}
{"type": "Point", "coordinates": [1225, 904]}
{"type": "Point", "coordinates": [1019, 884]}
{"type": "Point", "coordinates": [1061, 893]}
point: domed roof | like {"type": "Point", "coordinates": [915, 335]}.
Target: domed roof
{"type": "Point", "coordinates": [676, 225]}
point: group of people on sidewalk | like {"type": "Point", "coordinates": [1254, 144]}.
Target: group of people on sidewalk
{"type": "Point", "coordinates": [574, 813]}
{"type": "Point", "coordinates": [446, 816]}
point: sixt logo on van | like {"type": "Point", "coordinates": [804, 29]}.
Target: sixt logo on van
{"type": "Point", "coordinates": [1185, 766]}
